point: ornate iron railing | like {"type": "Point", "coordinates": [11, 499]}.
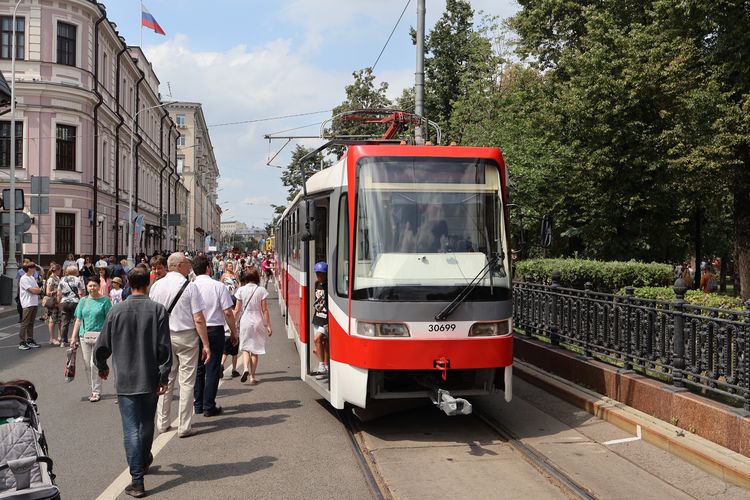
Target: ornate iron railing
{"type": "Point", "coordinates": [683, 344]}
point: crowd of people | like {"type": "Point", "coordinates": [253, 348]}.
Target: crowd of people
{"type": "Point", "coordinates": [169, 322]}
{"type": "Point", "coordinates": [709, 280]}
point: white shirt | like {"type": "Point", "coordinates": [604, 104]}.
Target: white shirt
{"type": "Point", "coordinates": [27, 299]}
{"type": "Point", "coordinates": [80, 262]}
{"type": "Point", "coordinates": [215, 297]}
{"type": "Point", "coordinates": [165, 290]}
{"type": "Point", "coordinates": [101, 263]}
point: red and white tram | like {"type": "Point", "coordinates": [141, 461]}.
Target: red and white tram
{"type": "Point", "coordinates": [419, 283]}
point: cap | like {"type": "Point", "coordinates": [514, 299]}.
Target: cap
{"type": "Point", "coordinates": [117, 280]}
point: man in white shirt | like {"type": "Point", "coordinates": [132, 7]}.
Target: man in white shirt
{"type": "Point", "coordinates": [80, 262]}
{"type": "Point", "coordinates": [218, 311]}
{"type": "Point", "coordinates": [187, 326]}
{"type": "Point", "coordinates": [28, 294]}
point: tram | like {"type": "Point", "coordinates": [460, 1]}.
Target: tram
{"type": "Point", "coordinates": [416, 241]}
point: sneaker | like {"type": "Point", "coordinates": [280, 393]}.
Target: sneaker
{"type": "Point", "coordinates": [218, 410]}
{"type": "Point", "coordinates": [321, 367]}
{"type": "Point", "coordinates": [135, 490]}
{"type": "Point", "coordinates": [23, 346]}
{"type": "Point", "coordinates": [33, 344]}
{"type": "Point", "coordinates": [244, 377]}
{"type": "Point", "coordinates": [235, 374]}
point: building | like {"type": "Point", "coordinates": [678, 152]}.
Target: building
{"type": "Point", "coordinates": [196, 165]}
{"type": "Point", "coordinates": [83, 97]}
{"type": "Point", "coordinates": [232, 226]}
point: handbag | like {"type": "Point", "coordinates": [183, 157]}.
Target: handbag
{"type": "Point", "coordinates": [90, 337]}
{"type": "Point", "coordinates": [70, 365]}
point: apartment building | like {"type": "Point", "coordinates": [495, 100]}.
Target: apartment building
{"type": "Point", "coordinates": [89, 116]}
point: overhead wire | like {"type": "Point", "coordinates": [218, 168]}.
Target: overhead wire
{"type": "Point", "coordinates": [271, 118]}
{"type": "Point", "coordinates": [391, 35]}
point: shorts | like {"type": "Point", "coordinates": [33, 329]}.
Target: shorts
{"type": "Point", "coordinates": [229, 349]}
{"type": "Point", "coordinates": [322, 330]}
{"type": "Point", "coordinates": [53, 315]}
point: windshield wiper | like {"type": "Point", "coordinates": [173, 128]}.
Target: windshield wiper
{"type": "Point", "coordinates": [465, 291]}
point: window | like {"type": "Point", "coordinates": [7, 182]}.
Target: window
{"type": "Point", "coordinates": [66, 148]}
{"type": "Point", "coordinates": [342, 249]}
{"type": "Point", "coordinates": [65, 230]}
{"type": "Point", "coordinates": [66, 44]}
{"type": "Point", "coordinates": [5, 144]}
{"type": "Point", "coordinates": [104, 168]}
{"type": "Point", "coordinates": [181, 141]}
{"type": "Point", "coordinates": [180, 120]}
{"type": "Point", "coordinates": [180, 164]}
{"type": "Point", "coordinates": [6, 36]}
{"type": "Point", "coordinates": [105, 70]}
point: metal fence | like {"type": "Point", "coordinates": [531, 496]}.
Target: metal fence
{"type": "Point", "coordinates": [683, 344]}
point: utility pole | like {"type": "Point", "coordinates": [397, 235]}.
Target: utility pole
{"type": "Point", "coordinates": [419, 75]}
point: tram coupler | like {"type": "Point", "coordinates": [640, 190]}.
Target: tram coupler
{"type": "Point", "coordinates": [450, 405]}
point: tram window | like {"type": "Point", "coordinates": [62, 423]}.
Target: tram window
{"type": "Point", "coordinates": [342, 262]}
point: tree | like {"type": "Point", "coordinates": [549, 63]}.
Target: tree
{"type": "Point", "coordinates": [448, 47]}
{"type": "Point", "coordinates": [362, 93]}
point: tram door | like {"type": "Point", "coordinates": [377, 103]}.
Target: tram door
{"type": "Point", "coordinates": [318, 252]}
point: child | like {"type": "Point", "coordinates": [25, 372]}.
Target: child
{"type": "Point", "coordinates": [115, 294]}
{"type": "Point", "coordinates": [320, 318]}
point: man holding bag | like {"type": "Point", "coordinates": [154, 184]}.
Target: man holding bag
{"type": "Point", "coordinates": [136, 334]}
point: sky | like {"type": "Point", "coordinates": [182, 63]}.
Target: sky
{"type": "Point", "coordinates": [251, 60]}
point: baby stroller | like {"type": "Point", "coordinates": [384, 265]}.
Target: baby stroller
{"type": "Point", "coordinates": [25, 468]}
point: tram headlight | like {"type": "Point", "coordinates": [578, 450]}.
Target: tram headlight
{"type": "Point", "coordinates": [382, 329]}
{"type": "Point", "coordinates": [494, 329]}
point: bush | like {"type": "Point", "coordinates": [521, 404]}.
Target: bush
{"type": "Point", "coordinates": [604, 276]}
{"type": "Point", "coordinates": [696, 297]}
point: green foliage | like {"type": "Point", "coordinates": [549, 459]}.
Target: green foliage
{"type": "Point", "coordinates": [696, 297]}
{"type": "Point", "coordinates": [605, 276]}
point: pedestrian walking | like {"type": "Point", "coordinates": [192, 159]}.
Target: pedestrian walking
{"type": "Point", "coordinates": [187, 326]}
{"type": "Point", "coordinates": [90, 314]}
{"type": "Point", "coordinates": [251, 312]}
{"type": "Point", "coordinates": [28, 295]}
{"type": "Point", "coordinates": [52, 305]}
{"type": "Point", "coordinates": [158, 267]}
{"type": "Point", "coordinates": [136, 335]}
{"type": "Point", "coordinates": [69, 293]}
{"type": "Point", "coordinates": [229, 278]}
{"type": "Point", "coordinates": [115, 293]}
{"type": "Point", "coordinates": [218, 312]}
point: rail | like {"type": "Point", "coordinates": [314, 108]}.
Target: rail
{"type": "Point", "coordinates": [687, 345]}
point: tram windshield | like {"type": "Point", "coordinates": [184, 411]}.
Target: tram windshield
{"type": "Point", "coordinates": [426, 227]}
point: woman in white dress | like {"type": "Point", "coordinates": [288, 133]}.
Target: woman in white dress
{"type": "Point", "coordinates": [252, 313]}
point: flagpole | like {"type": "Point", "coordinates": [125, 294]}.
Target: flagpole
{"type": "Point", "coordinates": [140, 22]}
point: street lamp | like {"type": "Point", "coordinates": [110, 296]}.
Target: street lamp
{"type": "Point", "coordinates": [132, 176]}
{"type": "Point", "coordinates": [12, 268]}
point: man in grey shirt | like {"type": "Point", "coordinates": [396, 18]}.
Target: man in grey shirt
{"type": "Point", "coordinates": [136, 334]}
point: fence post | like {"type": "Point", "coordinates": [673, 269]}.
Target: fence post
{"type": "Point", "coordinates": [554, 336]}
{"type": "Point", "coordinates": [628, 354]}
{"type": "Point", "coordinates": [587, 346]}
{"type": "Point", "coordinates": [678, 343]}
{"type": "Point", "coordinates": [746, 355]}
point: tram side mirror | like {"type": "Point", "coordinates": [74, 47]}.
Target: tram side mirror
{"type": "Point", "coordinates": [545, 232]}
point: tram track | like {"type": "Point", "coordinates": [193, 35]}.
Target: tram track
{"type": "Point", "coordinates": [537, 460]}
{"type": "Point", "coordinates": [378, 484]}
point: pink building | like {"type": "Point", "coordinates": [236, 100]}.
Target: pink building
{"type": "Point", "coordinates": [78, 88]}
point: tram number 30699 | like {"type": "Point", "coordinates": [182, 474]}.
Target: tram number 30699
{"type": "Point", "coordinates": [441, 327]}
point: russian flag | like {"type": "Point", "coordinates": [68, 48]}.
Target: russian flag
{"type": "Point", "coordinates": [148, 21]}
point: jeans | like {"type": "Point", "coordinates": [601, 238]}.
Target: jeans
{"type": "Point", "coordinates": [68, 310]}
{"type": "Point", "coordinates": [137, 412]}
{"type": "Point", "coordinates": [92, 372]}
{"type": "Point", "coordinates": [27, 323]}
{"type": "Point", "coordinates": [208, 375]}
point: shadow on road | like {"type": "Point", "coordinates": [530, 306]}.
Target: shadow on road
{"type": "Point", "coordinates": [230, 422]}
{"type": "Point", "coordinates": [188, 474]}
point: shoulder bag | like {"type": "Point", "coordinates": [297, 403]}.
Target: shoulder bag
{"type": "Point", "coordinates": [177, 297]}
{"type": "Point", "coordinates": [249, 299]}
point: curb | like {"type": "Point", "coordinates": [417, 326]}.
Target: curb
{"type": "Point", "coordinates": [726, 464]}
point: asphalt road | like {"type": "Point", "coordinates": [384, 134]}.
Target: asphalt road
{"type": "Point", "coordinates": [276, 439]}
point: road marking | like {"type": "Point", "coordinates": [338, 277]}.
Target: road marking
{"type": "Point", "coordinates": [626, 440]}
{"type": "Point", "coordinates": [123, 480]}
